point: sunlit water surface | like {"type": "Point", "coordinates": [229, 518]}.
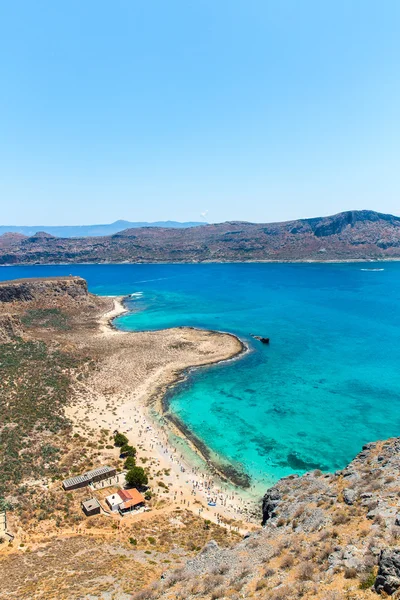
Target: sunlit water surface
{"type": "Point", "coordinates": [328, 382]}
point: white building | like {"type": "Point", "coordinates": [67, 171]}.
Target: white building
{"type": "Point", "coordinates": [114, 501]}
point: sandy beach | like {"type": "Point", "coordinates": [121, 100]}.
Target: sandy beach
{"type": "Point", "coordinates": [125, 394]}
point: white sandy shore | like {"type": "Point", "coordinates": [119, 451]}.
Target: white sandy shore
{"type": "Point", "coordinates": [118, 396]}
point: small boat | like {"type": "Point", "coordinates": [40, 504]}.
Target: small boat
{"type": "Point", "coordinates": [212, 504]}
{"type": "Point", "coordinates": [372, 269]}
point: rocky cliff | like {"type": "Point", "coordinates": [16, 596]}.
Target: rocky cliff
{"type": "Point", "coordinates": [352, 235]}
{"type": "Point", "coordinates": [41, 289]}
{"type": "Point", "coordinates": [325, 536]}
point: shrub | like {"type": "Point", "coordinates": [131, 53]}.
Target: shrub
{"type": "Point", "coordinates": [34, 388]}
{"type": "Point", "coordinates": [52, 318]}
{"type": "Point", "coordinates": [120, 439]}
{"type": "Point", "coordinates": [367, 581]}
{"type": "Point", "coordinates": [350, 573]}
{"type": "Point", "coordinates": [287, 562]}
{"type": "Point", "coordinates": [212, 582]}
{"type": "Point", "coordinates": [127, 450]}
{"type": "Point", "coordinates": [340, 518]}
{"type": "Point", "coordinates": [136, 477]}
{"type": "Point", "coordinates": [129, 463]}
{"type": "Point", "coordinates": [261, 583]}
{"type": "Point", "coordinates": [306, 572]}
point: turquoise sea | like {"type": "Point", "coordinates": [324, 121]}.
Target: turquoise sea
{"type": "Point", "coordinates": [328, 382]}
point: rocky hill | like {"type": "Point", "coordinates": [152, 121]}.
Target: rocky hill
{"type": "Point", "coordinates": [326, 536]}
{"type": "Point", "coordinates": [353, 235]}
{"type": "Point", "coordinates": [68, 231]}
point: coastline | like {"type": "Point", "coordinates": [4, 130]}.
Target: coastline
{"type": "Point", "coordinates": [160, 400]}
{"type": "Point", "coordinates": [304, 261]}
{"type": "Point", "coordinates": [163, 442]}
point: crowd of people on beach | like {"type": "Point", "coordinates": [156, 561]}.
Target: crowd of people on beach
{"type": "Point", "coordinates": [221, 501]}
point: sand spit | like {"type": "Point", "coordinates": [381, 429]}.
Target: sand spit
{"type": "Point", "coordinates": [125, 393]}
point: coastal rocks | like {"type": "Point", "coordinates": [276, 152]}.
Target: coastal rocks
{"type": "Point", "coordinates": [270, 504]}
{"type": "Point", "coordinates": [336, 526]}
{"type": "Point", "coordinates": [388, 578]}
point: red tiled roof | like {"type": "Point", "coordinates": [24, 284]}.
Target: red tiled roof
{"type": "Point", "coordinates": [125, 495]}
{"type": "Point", "coordinates": [135, 499]}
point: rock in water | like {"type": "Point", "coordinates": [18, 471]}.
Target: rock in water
{"type": "Point", "coordinates": [263, 340]}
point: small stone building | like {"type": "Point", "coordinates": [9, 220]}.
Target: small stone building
{"type": "Point", "coordinates": [91, 507]}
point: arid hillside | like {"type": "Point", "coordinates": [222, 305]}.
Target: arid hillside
{"type": "Point", "coordinates": [59, 357]}
{"type": "Point", "coordinates": [353, 235]}
{"type": "Point", "coordinates": [325, 536]}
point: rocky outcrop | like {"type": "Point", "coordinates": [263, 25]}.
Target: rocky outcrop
{"type": "Point", "coordinates": [322, 532]}
{"type": "Point", "coordinates": [25, 290]}
{"type": "Point", "coordinates": [270, 504]}
{"type": "Point", "coordinates": [388, 578]}
{"type": "Point", "coordinates": [351, 235]}
{"type": "Point", "coordinates": [370, 480]}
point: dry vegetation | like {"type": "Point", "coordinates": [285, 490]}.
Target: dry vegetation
{"type": "Point", "coordinates": [322, 539]}
{"type": "Point", "coordinates": [323, 533]}
{"type": "Point", "coordinates": [48, 353]}
{"type": "Point", "coordinates": [117, 557]}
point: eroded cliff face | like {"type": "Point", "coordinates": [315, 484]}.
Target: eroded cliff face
{"type": "Point", "coordinates": [47, 307]}
{"type": "Point", "coordinates": [325, 536]}
{"type": "Point", "coordinates": [26, 290]}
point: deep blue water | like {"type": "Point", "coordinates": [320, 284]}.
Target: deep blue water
{"type": "Point", "coordinates": [329, 381]}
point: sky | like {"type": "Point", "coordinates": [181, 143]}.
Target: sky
{"type": "Point", "coordinates": [193, 110]}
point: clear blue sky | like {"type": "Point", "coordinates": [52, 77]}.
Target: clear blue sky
{"type": "Point", "coordinates": [252, 110]}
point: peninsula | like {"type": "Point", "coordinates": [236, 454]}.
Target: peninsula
{"type": "Point", "coordinates": [80, 400]}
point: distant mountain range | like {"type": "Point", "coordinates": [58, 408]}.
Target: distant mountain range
{"type": "Point", "coordinates": [351, 235]}
{"type": "Point", "coordinates": [67, 231]}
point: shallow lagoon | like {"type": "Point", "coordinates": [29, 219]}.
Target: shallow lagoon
{"type": "Point", "coordinates": [328, 382]}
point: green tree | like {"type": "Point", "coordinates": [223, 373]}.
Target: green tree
{"type": "Point", "coordinates": [120, 439]}
{"type": "Point", "coordinates": [128, 450]}
{"type": "Point", "coordinates": [130, 463]}
{"type": "Point", "coordinates": [136, 477]}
